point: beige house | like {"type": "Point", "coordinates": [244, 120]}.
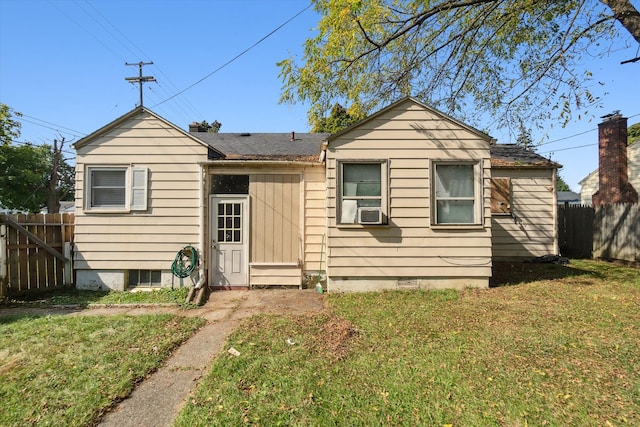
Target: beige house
{"type": "Point", "coordinates": [400, 200]}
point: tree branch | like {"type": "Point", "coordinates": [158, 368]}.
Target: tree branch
{"type": "Point", "coordinates": [625, 13]}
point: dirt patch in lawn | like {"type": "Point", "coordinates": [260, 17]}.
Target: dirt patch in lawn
{"type": "Point", "coordinates": [334, 338]}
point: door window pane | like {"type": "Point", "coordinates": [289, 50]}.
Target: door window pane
{"type": "Point", "coordinates": [229, 222]}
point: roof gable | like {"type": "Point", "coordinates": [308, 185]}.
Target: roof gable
{"type": "Point", "coordinates": [129, 116]}
{"type": "Point", "coordinates": [413, 101]}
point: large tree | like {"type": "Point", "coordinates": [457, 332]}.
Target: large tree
{"type": "Point", "coordinates": [26, 177]}
{"type": "Point", "coordinates": [9, 126]}
{"type": "Point", "coordinates": [339, 118]}
{"type": "Point", "coordinates": [512, 61]}
{"type": "Point", "coordinates": [633, 132]}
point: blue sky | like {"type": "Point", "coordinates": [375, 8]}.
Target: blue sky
{"type": "Point", "coordinates": [62, 64]}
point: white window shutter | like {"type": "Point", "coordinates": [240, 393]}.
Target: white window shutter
{"type": "Point", "coordinates": [139, 188]}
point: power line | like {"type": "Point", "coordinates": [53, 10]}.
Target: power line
{"type": "Point", "coordinates": [106, 29]}
{"type": "Point", "coordinates": [94, 35]}
{"type": "Point", "coordinates": [124, 37]}
{"type": "Point", "coordinates": [144, 54]}
{"type": "Point", "coordinates": [106, 46]}
{"type": "Point", "coordinates": [49, 123]}
{"type": "Point", "coordinates": [569, 148]}
{"type": "Point", "coordinates": [237, 56]}
{"type": "Point", "coordinates": [53, 128]}
{"type": "Point", "coordinates": [578, 134]}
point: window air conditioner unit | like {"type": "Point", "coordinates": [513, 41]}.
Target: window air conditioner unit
{"type": "Point", "coordinates": [369, 215]}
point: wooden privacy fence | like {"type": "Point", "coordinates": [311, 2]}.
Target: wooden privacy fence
{"type": "Point", "coordinates": [35, 252]}
{"type": "Point", "coordinates": [608, 231]}
{"type": "Point", "coordinates": [617, 232]}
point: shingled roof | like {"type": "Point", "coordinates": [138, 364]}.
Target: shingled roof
{"type": "Point", "coordinates": [513, 155]}
{"type": "Point", "coordinates": [266, 146]}
{"type": "Point", "coordinates": [307, 147]}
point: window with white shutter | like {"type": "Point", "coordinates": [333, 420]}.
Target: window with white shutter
{"type": "Point", "coordinates": [116, 188]}
{"type": "Point", "coordinates": [139, 189]}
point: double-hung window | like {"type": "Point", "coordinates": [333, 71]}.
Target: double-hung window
{"type": "Point", "coordinates": [457, 195]}
{"type": "Point", "coordinates": [116, 188]}
{"type": "Point", "coordinates": [362, 190]}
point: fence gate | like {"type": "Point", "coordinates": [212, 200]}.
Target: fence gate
{"type": "Point", "coordinates": [575, 231]}
{"type": "Point", "coordinates": [35, 252]}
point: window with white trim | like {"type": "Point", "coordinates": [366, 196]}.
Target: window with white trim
{"type": "Point", "coordinates": [362, 192]}
{"type": "Point", "coordinates": [117, 188]}
{"type": "Point", "coordinates": [456, 193]}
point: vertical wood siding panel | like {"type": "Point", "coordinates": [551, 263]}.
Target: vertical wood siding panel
{"type": "Point", "coordinates": [275, 222]}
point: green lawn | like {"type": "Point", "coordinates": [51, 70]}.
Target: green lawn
{"type": "Point", "coordinates": [66, 371]}
{"type": "Point", "coordinates": [86, 298]}
{"type": "Point", "coordinates": [563, 351]}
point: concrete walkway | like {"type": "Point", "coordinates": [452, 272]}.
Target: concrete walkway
{"type": "Point", "coordinates": [156, 401]}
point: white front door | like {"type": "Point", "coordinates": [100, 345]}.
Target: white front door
{"type": "Point", "coordinates": [229, 240]}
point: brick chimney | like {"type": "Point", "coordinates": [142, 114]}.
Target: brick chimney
{"type": "Point", "coordinates": [195, 128]}
{"type": "Point", "coordinates": [614, 185]}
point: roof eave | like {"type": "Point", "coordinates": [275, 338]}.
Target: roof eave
{"type": "Point", "coordinates": [499, 164]}
{"type": "Point", "coordinates": [240, 162]}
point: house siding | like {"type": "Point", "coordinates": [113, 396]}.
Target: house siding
{"type": "Point", "coordinates": [530, 230]}
{"type": "Point", "coordinates": [315, 222]}
{"type": "Point", "coordinates": [108, 244]}
{"type": "Point", "coordinates": [408, 250]}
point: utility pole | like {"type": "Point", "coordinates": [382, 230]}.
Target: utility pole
{"type": "Point", "coordinates": [53, 200]}
{"type": "Point", "coordinates": [140, 79]}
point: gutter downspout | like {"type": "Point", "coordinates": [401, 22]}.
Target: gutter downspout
{"type": "Point", "coordinates": [198, 290]}
{"type": "Point", "coordinates": [201, 229]}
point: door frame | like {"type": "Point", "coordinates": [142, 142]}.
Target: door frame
{"type": "Point", "coordinates": [212, 223]}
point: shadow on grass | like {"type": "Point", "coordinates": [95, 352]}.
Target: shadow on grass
{"type": "Point", "coordinates": [6, 319]}
{"type": "Point", "coordinates": [55, 297]}
{"type": "Point", "coordinates": [513, 273]}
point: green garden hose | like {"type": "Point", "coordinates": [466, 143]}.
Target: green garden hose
{"type": "Point", "coordinates": [185, 262]}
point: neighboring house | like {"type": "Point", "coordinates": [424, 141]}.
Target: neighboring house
{"type": "Point", "coordinates": [402, 199]}
{"type": "Point", "coordinates": [65, 207]}
{"type": "Point", "coordinates": [629, 173]}
{"type": "Point", "coordinates": [588, 187]}
{"type": "Point", "coordinates": [568, 197]}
